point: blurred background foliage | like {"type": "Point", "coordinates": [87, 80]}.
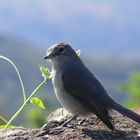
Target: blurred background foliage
{"type": "Point", "coordinates": [132, 87]}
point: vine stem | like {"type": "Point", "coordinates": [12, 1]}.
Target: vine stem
{"type": "Point", "coordinates": [20, 79]}
{"type": "Point", "coordinates": [4, 120]}
{"type": "Point", "coordinates": [25, 103]}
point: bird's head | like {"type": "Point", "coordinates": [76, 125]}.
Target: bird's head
{"type": "Point", "coordinates": [60, 53]}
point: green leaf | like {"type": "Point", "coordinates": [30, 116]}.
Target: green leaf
{"type": "Point", "coordinates": [78, 52]}
{"type": "Point", "coordinates": [45, 72]}
{"type": "Point", "coordinates": [36, 101]}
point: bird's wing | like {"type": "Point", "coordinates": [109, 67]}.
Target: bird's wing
{"type": "Point", "coordinates": [82, 85]}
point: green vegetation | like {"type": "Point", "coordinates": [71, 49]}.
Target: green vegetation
{"type": "Point", "coordinates": [34, 100]}
{"type": "Point", "coordinates": [132, 87]}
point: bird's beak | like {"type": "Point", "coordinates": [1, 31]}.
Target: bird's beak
{"type": "Point", "coordinates": [48, 55]}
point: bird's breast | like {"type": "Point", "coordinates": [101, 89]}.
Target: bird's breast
{"type": "Point", "coordinates": [66, 99]}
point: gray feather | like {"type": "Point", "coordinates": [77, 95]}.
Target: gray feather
{"type": "Point", "coordinates": [83, 86]}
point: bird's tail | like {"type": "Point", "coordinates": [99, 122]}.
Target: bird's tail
{"type": "Point", "coordinates": [130, 114]}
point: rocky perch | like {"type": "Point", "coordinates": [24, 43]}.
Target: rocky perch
{"type": "Point", "coordinates": [89, 129]}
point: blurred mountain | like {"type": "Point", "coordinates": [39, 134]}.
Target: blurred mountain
{"type": "Point", "coordinates": [110, 69]}
{"type": "Point", "coordinates": [96, 25]}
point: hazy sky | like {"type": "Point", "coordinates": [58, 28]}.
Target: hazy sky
{"type": "Point", "coordinates": [105, 24]}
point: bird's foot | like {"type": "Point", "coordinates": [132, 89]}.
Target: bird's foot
{"type": "Point", "coordinates": [56, 127]}
{"type": "Point", "coordinates": [65, 124]}
{"type": "Point", "coordinates": [81, 121]}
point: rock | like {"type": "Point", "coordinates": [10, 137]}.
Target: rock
{"type": "Point", "coordinates": [58, 115]}
{"type": "Point", "coordinates": [89, 129]}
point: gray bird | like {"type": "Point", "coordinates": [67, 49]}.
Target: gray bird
{"type": "Point", "coordinates": [78, 90]}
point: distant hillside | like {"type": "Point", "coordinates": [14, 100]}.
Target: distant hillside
{"type": "Point", "coordinates": [110, 70]}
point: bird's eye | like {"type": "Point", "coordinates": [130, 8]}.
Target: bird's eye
{"type": "Point", "coordinates": [61, 49]}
